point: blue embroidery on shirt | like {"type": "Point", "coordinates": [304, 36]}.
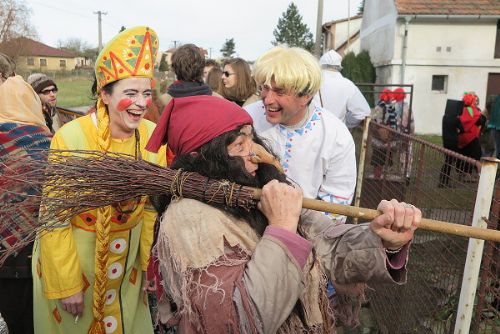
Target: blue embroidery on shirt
{"type": "Point", "coordinates": [289, 134]}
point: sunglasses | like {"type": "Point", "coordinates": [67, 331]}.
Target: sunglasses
{"type": "Point", "coordinates": [227, 74]}
{"type": "Point", "coordinates": [48, 91]}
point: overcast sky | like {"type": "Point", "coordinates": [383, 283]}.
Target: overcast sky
{"type": "Point", "coordinates": [202, 22]}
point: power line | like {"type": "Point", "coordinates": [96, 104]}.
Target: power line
{"type": "Point", "coordinates": [63, 10]}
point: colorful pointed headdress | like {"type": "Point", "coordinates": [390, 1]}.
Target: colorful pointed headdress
{"type": "Point", "coordinates": [131, 53]}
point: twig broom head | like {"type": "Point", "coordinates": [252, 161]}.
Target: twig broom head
{"type": "Point", "coordinates": [72, 182]}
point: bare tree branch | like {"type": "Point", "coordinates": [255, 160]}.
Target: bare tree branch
{"type": "Point", "coordinates": [15, 18]}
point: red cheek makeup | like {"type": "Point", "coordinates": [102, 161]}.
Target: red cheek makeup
{"type": "Point", "coordinates": [124, 104]}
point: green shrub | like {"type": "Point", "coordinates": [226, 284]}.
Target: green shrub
{"type": "Point", "coordinates": [359, 69]}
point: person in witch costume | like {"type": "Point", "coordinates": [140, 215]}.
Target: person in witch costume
{"type": "Point", "coordinates": [88, 271]}
{"type": "Point", "coordinates": [232, 270]}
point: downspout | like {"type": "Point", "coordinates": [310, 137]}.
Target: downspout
{"type": "Point", "coordinates": [405, 47]}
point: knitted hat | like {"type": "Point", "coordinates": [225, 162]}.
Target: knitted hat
{"type": "Point", "coordinates": [399, 94]}
{"type": "Point", "coordinates": [331, 59]}
{"type": "Point", "coordinates": [7, 66]}
{"type": "Point", "coordinates": [386, 95]}
{"type": "Point", "coordinates": [131, 53]}
{"type": "Point", "coordinates": [40, 81]}
{"type": "Point", "coordinates": [189, 122]}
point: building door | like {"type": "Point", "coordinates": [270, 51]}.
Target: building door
{"type": "Point", "coordinates": [493, 87]}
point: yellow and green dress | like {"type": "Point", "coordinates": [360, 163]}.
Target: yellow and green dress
{"type": "Point", "coordinates": [64, 258]}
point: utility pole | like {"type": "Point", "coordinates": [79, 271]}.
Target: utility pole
{"type": "Point", "coordinates": [319, 29]}
{"type": "Point", "coordinates": [175, 44]}
{"type": "Point", "coordinates": [99, 27]}
{"type": "Point", "coordinates": [348, 24]}
{"type": "Point", "coordinates": [210, 52]}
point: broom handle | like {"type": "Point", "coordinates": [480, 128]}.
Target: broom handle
{"type": "Point", "coordinates": [370, 214]}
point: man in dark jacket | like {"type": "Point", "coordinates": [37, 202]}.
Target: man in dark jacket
{"type": "Point", "coordinates": [451, 127]}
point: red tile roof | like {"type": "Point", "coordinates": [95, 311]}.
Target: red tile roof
{"type": "Point", "coordinates": [23, 46]}
{"type": "Point", "coordinates": [448, 7]}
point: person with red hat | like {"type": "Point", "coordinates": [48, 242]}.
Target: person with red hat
{"type": "Point", "coordinates": [238, 270]}
{"type": "Point", "coordinates": [405, 121]}
{"type": "Point", "coordinates": [405, 124]}
{"type": "Point", "coordinates": [468, 141]}
{"type": "Point", "coordinates": [384, 114]}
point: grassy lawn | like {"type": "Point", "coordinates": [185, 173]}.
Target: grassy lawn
{"type": "Point", "coordinates": [423, 190]}
{"type": "Point", "coordinates": [435, 139]}
{"type": "Point", "coordinates": [74, 92]}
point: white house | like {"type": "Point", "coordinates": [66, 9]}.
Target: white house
{"type": "Point", "coordinates": [444, 48]}
{"type": "Point", "coordinates": [342, 35]}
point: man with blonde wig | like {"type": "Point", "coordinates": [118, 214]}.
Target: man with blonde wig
{"type": "Point", "coordinates": [315, 148]}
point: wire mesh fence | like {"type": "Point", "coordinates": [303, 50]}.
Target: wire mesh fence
{"type": "Point", "coordinates": [443, 184]}
{"type": "Point", "coordinates": [487, 312]}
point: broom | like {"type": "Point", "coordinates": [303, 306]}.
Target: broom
{"type": "Point", "coordinates": [77, 181]}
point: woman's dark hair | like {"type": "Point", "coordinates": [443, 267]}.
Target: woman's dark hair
{"type": "Point", "coordinates": [214, 80]}
{"type": "Point", "coordinates": [211, 62]}
{"type": "Point", "coordinates": [107, 88]}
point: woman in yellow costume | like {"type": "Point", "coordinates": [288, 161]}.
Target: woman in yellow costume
{"type": "Point", "coordinates": [88, 272]}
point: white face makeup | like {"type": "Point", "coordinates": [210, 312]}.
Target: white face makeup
{"type": "Point", "coordinates": [127, 105]}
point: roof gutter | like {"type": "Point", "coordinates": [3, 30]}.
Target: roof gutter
{"type": "Point", "coordinates": [449, 16]}
{"type": "Point", "coordinates": [405, 47]}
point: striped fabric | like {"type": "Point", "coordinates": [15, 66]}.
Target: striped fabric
{"type": "Point", "coordinates": [18, 140]}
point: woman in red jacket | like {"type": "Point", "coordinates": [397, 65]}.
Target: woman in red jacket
{"type": "Point", "coordinates": [472, 120]}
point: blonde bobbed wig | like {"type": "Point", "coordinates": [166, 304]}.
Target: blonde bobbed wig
{"type": "Point", "coordinates": [293, 69]}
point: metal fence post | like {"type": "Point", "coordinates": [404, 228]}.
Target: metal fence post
{"type": "Point", "coordinates": [361, 167]}
{"type": "Point", "coordinates": [475, 249]}
{"type": "Point", "coordinates": [484, 280]}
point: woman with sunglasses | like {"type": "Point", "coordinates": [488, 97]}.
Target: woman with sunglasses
{"type": "Point", "coordinates": [238, 83]}
{"type": "Point", "coordinates": [47, 90]}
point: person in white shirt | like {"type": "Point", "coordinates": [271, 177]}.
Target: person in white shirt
{"type": "Point", "coordinates": [338, 94]}
{"type": "Point", "coordinates": [315, 148]}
